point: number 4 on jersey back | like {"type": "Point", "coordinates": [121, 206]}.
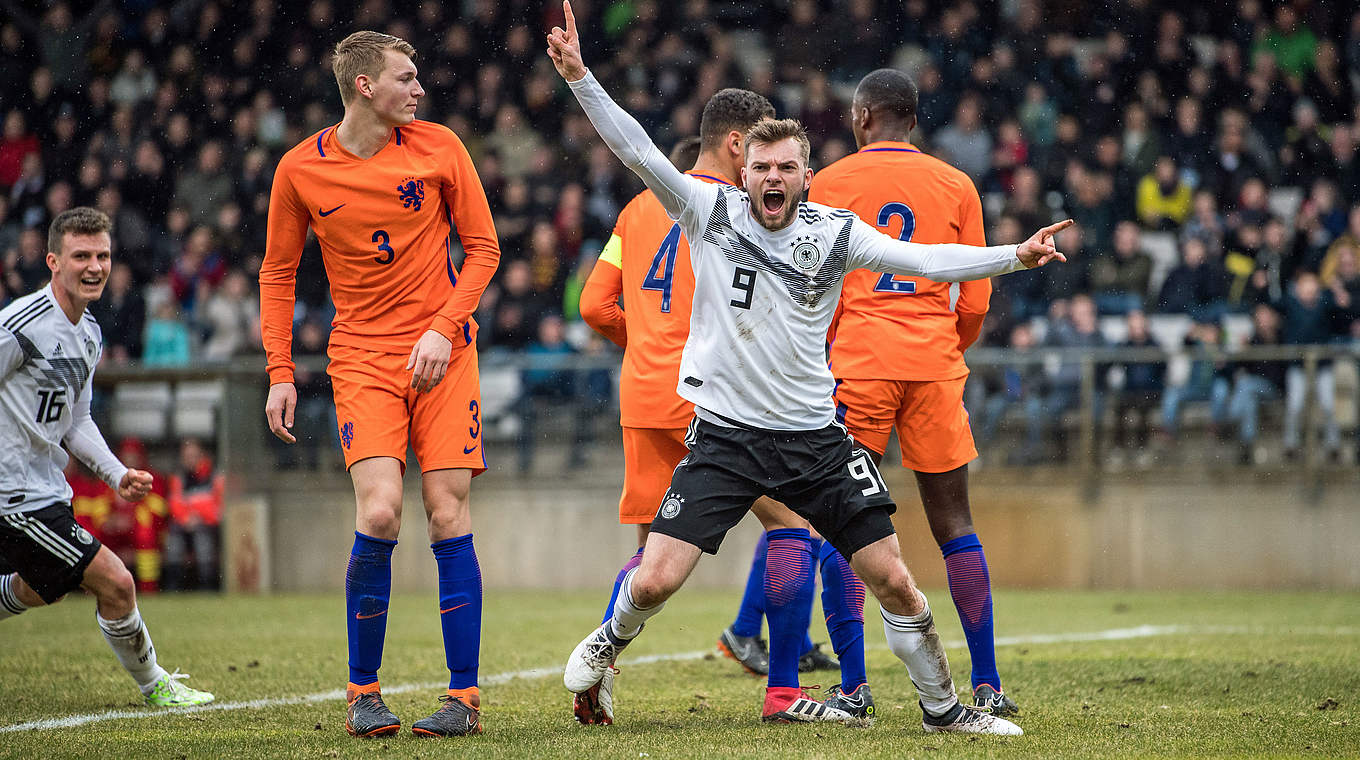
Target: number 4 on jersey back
{"type": "Point", "coordinates": [661, 271]}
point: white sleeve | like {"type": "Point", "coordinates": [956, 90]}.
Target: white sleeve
{"type": "Point", "coordinates": [11, 355]}
{"type": "Point", "coordinates": [629, 141]}
{"type": "Point", "coordinates": [87, 444]}
{"type": "Point", "coordinates": [943, 262]}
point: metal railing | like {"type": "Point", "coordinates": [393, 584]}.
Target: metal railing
{"type": "Point", "coordinates": [240, 433]}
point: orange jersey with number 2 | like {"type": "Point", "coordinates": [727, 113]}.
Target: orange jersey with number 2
{"type": "Point", "coordinates": [893, 327]}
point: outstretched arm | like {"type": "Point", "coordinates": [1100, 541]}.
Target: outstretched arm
{"type": "Point", "coordinates": [950, 262]}
{"type": "Point", "coordinates": [621, 132]}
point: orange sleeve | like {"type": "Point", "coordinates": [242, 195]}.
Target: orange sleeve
{"type": "Point", "coordinates": [466, 201]}
{"type": "Point", "coordinates": [974, 296]}
{"type": "Point", "coordinates": [600, 302]}
{"type": "Point", "coordinates": [284, 239]}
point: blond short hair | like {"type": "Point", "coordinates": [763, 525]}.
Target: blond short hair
{"type": "Point", "coordinates": [772, 131]}
{"type": "Point", "coordinates": [362, 53]}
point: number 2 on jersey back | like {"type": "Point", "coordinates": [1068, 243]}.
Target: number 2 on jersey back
{"type": "Point", "coordinates": [888, 283]}
{"type": "Point", "coordinates": [664, 264]}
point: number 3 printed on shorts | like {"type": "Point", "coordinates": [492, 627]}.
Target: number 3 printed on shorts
{"type": "Point", "coordinates": [862, 469]}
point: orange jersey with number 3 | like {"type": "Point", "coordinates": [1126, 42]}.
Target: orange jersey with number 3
{"type": "Point", "coordinates": [894, 327]}
{"type": "Point", "coordinates": [384, 225]}
{"type": "Point", "coordinates": [657, 286]}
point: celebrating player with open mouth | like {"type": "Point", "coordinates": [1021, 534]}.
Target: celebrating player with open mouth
{"type": "Point", "coordinates": [768, 268]}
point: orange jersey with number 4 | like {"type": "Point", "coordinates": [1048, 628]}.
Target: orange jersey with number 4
{"type": "Point", "coordinates": [894, 327]}
{"type": "Point", "coordinates": [384, 225]}
{"type": "Point", "coordinates": [657, 285]}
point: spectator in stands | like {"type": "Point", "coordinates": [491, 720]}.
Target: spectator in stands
{"type": "Point", "coordinates": [198, 269]}
{"type": "Point", "coordinates": [1256, 380]}
{"type": "Point", "coordinates": [1078, 329]}
{"type": "Point", "coordinates": [207, 186]}
{"type": "Point", "coordinates": [1275, 264]}
{"type": "Point", "coordinates": [230, 319]}
{"type": "Point", "coordinates": [1305, 154]}
{"type": "Point", "coordinates": [167, 342]}
{"type": "Point", "coordinates": [516, 309]}
{"type": "Point", "coordinates": [16, 143]}
{"type": "Point", "coordinates": [1140, 395]}
{"type": "Point", "coordinates": [122, 316]}
{"type": "Point", "coordinates": [25, 266]}
{"type": "Point", "coordinates": [150, 516]}
{"type": "Point", "coordinates": [1291, 43]}
{"type": "Point", "coordinates": [1341, 275]}
{"type": "Point", "coordinates": [192, 543]}
{"type": "Point", "coordinates": [1308, 318]}
{"type": "Point", "coordinates": [1189, 144]}
{"type": "Point", "coordinates": [1208, 379]}
{"type": "Point", "coordinates": [1206, 223]}
{"type": "Point", "coordinates": [548, 380]}
{"type": "Point", "coordinates": [1121, 280]}
{"type": "Point", "coordinates": [1163, 196]}
{"type": "Point", "coordinates": [1010, 385]}
{"type": "Point", "coordinates": [1343, 165]}
{"type": "Point", "coordinates": [1024, 201]}
{"type": "Point", "coordinates": [965, 141]}
{"type": "Point", "coordinates": [1196, 285]}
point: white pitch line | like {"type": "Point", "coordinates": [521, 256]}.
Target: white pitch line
{"type": "Point", "coordinates": [335, 695]}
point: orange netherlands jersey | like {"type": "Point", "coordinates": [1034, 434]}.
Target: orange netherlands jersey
{"type": "Point", "coordinates": [658, 291]}
{"type": "Point", "coordinates": [385, 228]}
{"type": "Point", "coordinates": [893, 327]}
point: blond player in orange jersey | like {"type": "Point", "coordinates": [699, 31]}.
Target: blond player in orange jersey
{"type": "Point", "coordinates": [646, 262]}
{"type": "Point", "coordinates": [382, 191]}
{"type": "Point", "coordinates": [897, 344]}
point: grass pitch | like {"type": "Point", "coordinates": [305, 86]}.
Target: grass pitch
{"type": "Point", "coordinates": [1097, 674]}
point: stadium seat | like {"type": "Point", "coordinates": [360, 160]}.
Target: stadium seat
{"type": "Point", "coordinates": [195, 408]}
{"type": "Point", "coordinates": [141, 410]}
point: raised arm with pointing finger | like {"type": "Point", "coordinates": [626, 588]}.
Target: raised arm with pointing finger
{"type": "Point", "coordinates": [678, 192]}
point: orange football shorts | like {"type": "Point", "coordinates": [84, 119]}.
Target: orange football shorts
{"type": "Point", "coordinates": [932, 425]}
{"type": "Point", "coordinates": [650, 456]}
{"type": "Point", "coordinates": [379, 413]}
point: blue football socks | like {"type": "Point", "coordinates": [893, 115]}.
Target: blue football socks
{"type": "Point", "coordinates": [788, 601]}
{"type": "Point", "coordinates": [368, 586]}
{"type": "Point", "coordinates": [971, 587]}
{"type": "Point", "coordinates": [632, 562]}
{"type": "Point", "coordinates": [843, 605]}
{"type": "Point", "coordinates": [460, 608]}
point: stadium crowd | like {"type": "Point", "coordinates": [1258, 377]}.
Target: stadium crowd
{"type": "Point", "coordinates": [1209, 158]}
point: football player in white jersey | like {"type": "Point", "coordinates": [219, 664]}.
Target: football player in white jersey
{"type": "Point", "coordinates": [768, 270]}
{"type": "Point", "coordinates": [49, 347]}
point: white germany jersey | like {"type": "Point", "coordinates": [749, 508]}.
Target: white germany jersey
{"type": "Point", "coordinates": [45, 368]}
{"type": "Point", "coordinates": [763, 300]}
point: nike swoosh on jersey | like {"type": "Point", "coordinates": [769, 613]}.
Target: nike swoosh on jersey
{"type": "Point", "coordinates": [324, 212]}
{"type": "Point", "coordinates": [469, 449]}
{"type": "Point", "coordinates": [455, 607]}
{"type": "Point", "coordinates": [361, 616]}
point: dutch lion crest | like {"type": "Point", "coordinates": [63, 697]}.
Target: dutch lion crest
{"type": "Point", "coordinates": [412, 193]}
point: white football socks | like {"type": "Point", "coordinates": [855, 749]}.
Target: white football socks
{"type": "Point", "coordinates": [916, 643]}
{"type": "Point", "coordinates": [9, 597]}
{"type": "Point", "coordinates": [628, 618]}
{"type": "Point", "coordinates": [131, 644]}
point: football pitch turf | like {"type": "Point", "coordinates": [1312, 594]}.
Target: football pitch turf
{"type": "Point", "coordinates": [1097, 674]}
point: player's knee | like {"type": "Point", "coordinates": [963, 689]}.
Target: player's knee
{"type": "Point", "coordinates": [380, 518]}
{"type": "Point", "coordinates": [895, 590]}
{"type": "Point", "coordinates": [652, 589]}
{"type": "Point", "coordinates": [118, 594]}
